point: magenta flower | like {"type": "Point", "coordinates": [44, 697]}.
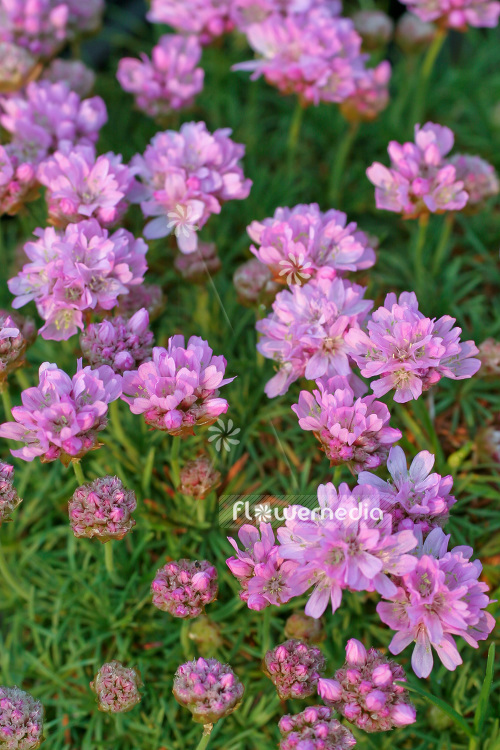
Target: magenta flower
{"type": "Point", "coordinates": [209, 689]}
{"type": "Point", "coordinates": [263, 574]}
{"type": "Point", "coordinates": [17, 333]}
{"type": "Point", "coordinates": [117, 688]}
{"type": "Point", "coordinates": [103, 509]}
{"type": "Point", "coordinates": [21, 720]}
{"type": "Point", "coordinates": [408, 351]}
{"type": "Point", "coordinates": [314, 729]}
{"type": "Point", "coordinates": [365, 692]}
{"type": "Point", "coordinates": [206, 18]}
{"type": "Point", "coordinates": [306, 333]}
{"type": "Point", "coordinates": [294, 669]}
{"type": "Point", "coordinates": [479, 178]}
{"type": "Point", "coordinates": [437, 600]}
{"type": "Point", "coordinates": [169, 80]}
{"type": "Point", "coordinates": [184, 587]}
{"type": "Point", "coordinates": [74, 73]}
{"type": "Point", "coordinates": [312, 242]}
{"type": "Point", "coordinates": [179, 388]}
{"type": "Point", "coordinates": [199, 477]}
{"type": "Point", "coordinates": [197, 266]}
{"type": "Point", "coordinates": [121, 343]}
{"type": "Point", "coordinates": [347, 544]}
{"type": "Point", "coordinates": [81, 185]}
{"type": "Point", "coordinates": [17, 66]}
{"type": "Point", "coordinates": [351, 431]}
{"type": "Point", "coordinates": [371, 96]}
{"type": "Point", "coordinates": [456, 14]}
{"type": "Point", "coordinates": [253, 283]}
{"type": "Point", "coordinates": [413, 497]}
{"type": "Point", "coordinates": [186, 176]}
{"type": "Point", "coordinates": [81, 268]}
{"type": "Point", "coordinates": [62, 416]}
{"type": "Point", "coordinates": [419, 181]}
{"type": "Point", "coordinates": [9, 499]}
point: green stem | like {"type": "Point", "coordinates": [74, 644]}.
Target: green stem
{"type": "Point", "coordinates": [340, 159]}
{"type": "Point", "coordinates": [294, 132]}
{"type": "Point", "coordinates": [418, 256]}
{"type": "Point", "coordinates": [425, 74]}
{"type": "Point", "coordinates": [205, 738]}
{"type": "Point", "coordinates": [7, 405]}
{"type": "Point", "coordinates": [442, 245]}
{"type": "Point", "coordinates": [22, 379]}
{"type": "Point", "coordinates": [77, 468]}
{"type": "Point", "coordinates": [109, 561]}
{"type": "Point", "coordinates": [174, 461]}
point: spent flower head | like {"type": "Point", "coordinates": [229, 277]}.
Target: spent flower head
{"type": "Point", "coordinates": [102, 509]}
{"type": "Point", "coordinates": [117, 688]}
{"type": "Point", "coordinates": [9, 499]}
{"type": "Point", "coordinates": [183, 588]}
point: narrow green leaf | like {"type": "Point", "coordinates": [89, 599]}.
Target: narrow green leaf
{"type": "Point", "coordinates": [482, 705]}
{"type": "Point", "coordinates": [448, 710]}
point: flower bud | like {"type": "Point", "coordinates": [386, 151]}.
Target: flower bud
{"type": "Point", "coordinates": [305, 628]}
{"type": "Point", "coordinates": [209, 689]}
{"type": "Point", "coordinates": [294, 668]}
{"type": "Point", "coordinates": [198, 477]}
{"type": "Point", "coordinates": [184, 587]}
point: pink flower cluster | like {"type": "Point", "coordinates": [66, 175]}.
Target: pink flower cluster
{"type": "Point", "coordinates": [16, 335]}
{"type": "Point", "coordinates": [184, 587]}
{"type": "Point", "coordinates": [121, 343]}
{"type": "Point", "coordinates": [371, 95]}
{"type": "Point", "coordinates": [9, 499]}
{"type": "Point", "coordinates": [479, 178]}
{"type": "Point", "coordinates": [420, 180]}
{"type": "Point", "coordinates": [21, 720]}
{"type": "Point", "coordinates": [306, 332]}
{"type": "Point", "coordinates": [351, 431]}
{"type": "Point", "coordinates": [103, 509]}
{"type": "Point", "coordinates": [186, 175]}
{"type": "Point", "coordinates": [408, 351]}
{"type": "Point", "coordinates": [438, 599]}
{"type": "Point", "coordinates": [263, 574]}
{"type": "Point", "coordinates": [245, 13]}
{"type": "Point", "coordinates": [456, 14]}
{"type": "Point", "coordinates": [209, 689]}
{"type": "Point", "coordinates": [314, 729]}
{"type": "Point", "coordinates": [415, 498]}
{"type": "Point", "coordinates": [62, 416]}
{"type": "Point", "coordinates": [178, 389]}
{"type": "Point", "coordinates": [117, 688]}
{"type": "Point", "coordinates": [301, 242]}
{"type": "Point", "coordinates": [44, 26]}
{"type": "Point", "coordinates": [294, 669]}
{"type": "Point", "coordinates": [206, 18]}
{"type": "Point", "coordinates": [169, 80]}
{"type": "Point", "coordinates": [81, 268]}
{"type": "Point", "coordinates": [365, 692]}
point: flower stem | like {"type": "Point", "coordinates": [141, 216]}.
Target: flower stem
{"type": "Point", "coordinates": [7, 405]}
{"type": "Point", "coordinates": [340, 159]}
{"type": "Point", "coordinates": [294, 132]}
{"type": "Point", "coordinates": [205, 738]}
{"type": "Point", "coordinates": [418, 257]}
{"type": "Point", "coordinates": [174, 461]}
{"type": "Point", "coordinates": [77, 468]}
{"type": "Point", "coordinates": [425, 74]}
{"type": "Point", "coordinates": [109, 561]}
{"type": "Point", "coordinates": [442, 245]}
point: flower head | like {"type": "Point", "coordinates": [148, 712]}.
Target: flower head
{"type": "Point", "coordinates": [17, 66]}
{"type": "Point", "coordinates": [21, 720]}
{"type": "Point", "coordinates": [74, 73]}
{"type": "Point", "coordinates": [479, 178]}
{"type": "Point", "coordinates": [371, 96]}
{"type": "Point", "coordinates": [16, 335]}
{"type": "Point", "coordinates": [414, 35]}
{"type": "Point", "coordinates": [294, 668]}
{"type": "Point", "coordinates": [253, 283]}
{"type": "Point", "coordinates": [314, 729]}
{"type": "Point", "coordinates": [148, 296]}
{"type": "Point", "coordinates": [184, 587]}
{"type": "Point", "coordinates": [209, 689]}
{"type": "Point", "coordinates": [305, 628]}
{"type": "Point", "coordinates": [121, 343]}
{"type": "Point", "coordinates": [103, 509]}
{"type": "Point", "coordinates": [117, 688]}
{"type": "Point", "coordinates": [199, 477]}
{"type": "Point", "coordinates": [489, 354]}
{"type": "Point", "coordinates": [375, 28]}
{"type": "Point", "coordinates": [459, 14]}
{"type": "Point", "coordinates": [9, 499]}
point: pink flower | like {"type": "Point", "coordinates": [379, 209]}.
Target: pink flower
{"type": "Point", "coordinates": [184, 587]}
{"type": "Point", "coordinates": [437, 600]}
{"type": "Point", "coordinates": [62, 416]}
{"type": "Point", "coordinates": [294, 669]}
{"type": "Point", "coordinates": [306, 332]}
{"type": "Point", "coordinates": [117, 688]}
{"type": "Point", "coordinates": [16, 335]}
{"type": "Point", "coordinates": [245, 13]}
{"type": "Point", "coordinates": [371, 96]}
{"type": "Point", "coordinates": [365, 692]}
{"type": "Point", "coordinates": [419, 180]}
{"type": "Point", "coordinates": [81, 185]}
{"type": "Point", "coordinates": [206, 18]}
{"type": "Point", "coordinates": [209, 689]}
{"type": "Point", "coordinates": [314, 729]}
{"type": "Point", "coordinates": [457, 14]}
{"type": "Point", "coordinates": [409, 351]}
{"type": "Point", "coordinates": [121, 343]}
{"type": "Point", "coordinates": [78, 77]}
{"type": "Point", "coordinates": [169, 80]}
{"type": "Point", "coordinates": [351, 431]}
{"type": "Point", "coordinates": [479, 178]}
{"type": "Point", "coordinates": [21, 720]}
{"type": "Point", "coordinates": [103, 509]}
{"type": "Point", "coordinates": [186, 176]}
{"type": "Point", "coordinates": [179, 388]}
{"type": "Point", "coordinates": [323, 242]}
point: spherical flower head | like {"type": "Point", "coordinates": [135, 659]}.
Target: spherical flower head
{"type": "Point", "coordinates": [408, 351]}
{"type": "Point", "coordinates": [209, 689]}
{"type": "Point", "coordinates": [121, 343]}
{"type": "Point", "coordinates": [303, 242]}
{"type": "Point", "coordinates": [9, 499]}
{"type": "Point", "coordinates": [74, 73]}
{"type": "Point", "coordinates": [197, 266]}
{"type": "Point", "coordinates": [375, 28]}
{"type": "Point", "coordinates": [117, 688]}
{"type": "Point", "coordinates": [365, 692]}
{"type": "Point", "coordinates": [294, 668]}
{"type": "Point", "coordinates": [184, 587]}
{"type": "Point", "coordinates": [303, 628]}
{"type": "Point", "coordinates": [479, 178]}
{"type": "Point", "coordinates": [18, 185]}
{"type": "Point", "coordinates": [371, 96]}
{"type": "Point", "coordinates": [148, 296]}
{"type": "Point", "coordinates": [102, 509]}
{"type": "Point", "coordinates": [17, 67]}
{"type": "Point", "coordinates": [206, 634]}
{"type": "Point", "coordinates": [420, 180]}
{"type": "Point", "coordinates": [21, 720]}
{"type": "Point", "coordinates": [16, 335]}
{"type": "Point", "coordinates": [62, 416]}
{"type": "Point", "coordinates": [169, 80]}
{"type": "Point", "coordinates": [457, 15]}
{"type": "Point", "coordinates": [207, 19]}
{"type": "Point", "coordinates": [489, 354]}
{"type": "Point", "coordinates": [306, 334]}
{"type": "Point", "coordinates": [414, 35]}
{"type": "Point", "coordinates": [186, 176]}
{"type": "Point", "coordinates": [314, 729]}
{"type": "Point", "coordinates": [351, 431]}
{"type": "Point", "coordinates": [253, 283]}
{"type": "Point", "coordinates": [179, 388]}
{"type": "Point", "coordinates": [199, 477]}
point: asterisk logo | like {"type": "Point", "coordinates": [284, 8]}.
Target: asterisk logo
{"type": "Point", "coordinates": [263, 513]}
{"type": "Point", "coordinates": [224, 435]}
{"type": "Point", "coordinates": [293, 269]}
{"type": "Point", "coordinates": [181, 221]}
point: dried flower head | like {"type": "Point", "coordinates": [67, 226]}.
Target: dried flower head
{"type": "Point", "coordinates": [103, 509]}
{"type": "Point", "coordinates": [149, 296]}
{"type": "Point", "coordinates": [184, 587]}
{"type": "Point", "coordinates": [414, 35]}
{"type": "Point", "coordinates": [21, 720]}
{"type": "Point", "coordinates": [17, 66]}
{"type": "Point", "coordinates": [74, 73]}
{"type": "Point", "coordinates": [209, 689]}
{"type": "Point", "coordinates": [294, 668]}
{"type": "Point", "coordinates": [9, 499]}
{"type": "Point", "coordinates": [199, 477]}
{"type": "Point", "coordinates": [117, 688]}
{"type": "Point", "coordinates": [305, 628]}
{"type": "Point", "coordinates": [375, 28]}
{"type": "Point", "coordinates": [17, 333]}
{"type": "Point", "coordinates": [253, 283]}
{"type": "Point", "coordinates": [197, 266]}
